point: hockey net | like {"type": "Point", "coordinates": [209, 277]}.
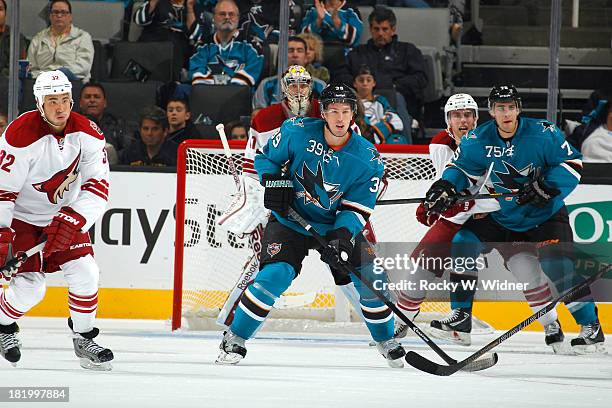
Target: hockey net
{"type": "Point", "coordinates": [209, 260]}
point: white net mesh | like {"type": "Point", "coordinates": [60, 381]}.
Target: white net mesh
{"type": "Point", "coordinates": [213, 258]}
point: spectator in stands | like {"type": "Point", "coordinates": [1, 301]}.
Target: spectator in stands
{"type": "Point", "coordinates": [149, 148]}
{"type": "Point", "coordinates": [62, 46]}
{"type": "Point", "coordinates": [227, 57]}
{"type": "Point", "coordinates": [179, 120]}
{"type": "Point", "coordinates": [328, 20]}
{"type": "Point", "coordinates": [268, 91]}
{"type": "Point", "coordinates": [181, 22]}
{"type": "Point", "coordinates": [236, 130]}
{"type": "Point", "coordinates": [3, 121]}
{"type": "Point", "coordinates": [396, 65]}
{"type": "Point", "coordinates": [597, 145]}
{"type": "Point", "coordinates": [93, 104]}
{"type": "Point", "coordinates": [385, 123]}
{"type": "Point", "coordinates": [314, 56]}
{"type": "Point", "coordinates": [5, 42]}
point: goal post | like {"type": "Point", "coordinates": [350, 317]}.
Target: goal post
{"type": "Point", "coordinates": [209, 259]}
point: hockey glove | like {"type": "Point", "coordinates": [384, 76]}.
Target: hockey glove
{"type": "Point", "coordinates": [461, 206]}
{"type": "Point", "coordinates": [246, 211]}
{"type": "Point", "coordinates": [7, 237]}
{"type": "Point", "coordinates": [440, 197]}
{"type": "Point", "coordinates": [338, 250]}
{"type": "Point", "coordinates": [61, 231]}
{"type": "Point", "coordinates": [424, 218]}
{"type": "Point", "coordinates": [278, 195]}
{"type": "Point", "coordinates": [536, 193]}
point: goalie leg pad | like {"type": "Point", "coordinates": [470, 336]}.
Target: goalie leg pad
{"type": "Point", "coordinates": [258, 299]}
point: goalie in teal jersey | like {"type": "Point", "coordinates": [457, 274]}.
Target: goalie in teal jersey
{"type": "Point", "coordinates": [331, 177]}
{"type": "Point", "coordinates": [530, 157]}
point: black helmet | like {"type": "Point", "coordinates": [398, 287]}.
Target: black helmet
{"type": "Point", "coordinates": [504, 93]}
{"type": "Point", "coordinates": [338, 93]}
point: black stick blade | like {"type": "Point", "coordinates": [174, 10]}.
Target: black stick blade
{"type": "Point", "coordinates": [421, 363]}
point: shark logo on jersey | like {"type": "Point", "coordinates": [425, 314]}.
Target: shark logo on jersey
{"type": "Point", "coordinates": [547, 126]}
{"type": "Point", "coordinates": [316, 190]}
{"type": "Point", "coordinates": [60, 182]}
{"type": "Point", "coordinates": [513, 179]}
{"type": "Point", "coordinates": [375, 155]}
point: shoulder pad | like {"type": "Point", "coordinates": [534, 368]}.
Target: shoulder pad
{"type": "Point", "coordinates": [79, 123]}
{"type": "Point", "coordinates": [26, 129]}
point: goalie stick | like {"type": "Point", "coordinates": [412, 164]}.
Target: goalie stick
{"type": "Point", "coordinates": [12, 265]}
{"type": "Point", "coordinates": [251, 267]}
{"type": "Point", "coordinates": [482, 364]}
{"type": "Point", "coordinates": [423, 364]}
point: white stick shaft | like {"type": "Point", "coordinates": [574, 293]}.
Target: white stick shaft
{"type": "Point", "coordinates": [228, 154]}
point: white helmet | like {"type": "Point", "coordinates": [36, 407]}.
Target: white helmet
{"type": "Point", "coordinates": [460, 101]}
{"type": "Point", "coordinates": [298, 103]}
{"type": "Point", "coordinates": [51, 83]}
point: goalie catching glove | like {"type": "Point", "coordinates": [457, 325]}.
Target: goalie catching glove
{"type": "Point", "coordinates": [246, 211]}
{"type": "Point", "coordinates": [278, 195]}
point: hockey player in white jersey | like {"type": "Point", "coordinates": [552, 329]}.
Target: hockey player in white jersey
{"type": "Point", "coordinates": [54, 183]}
{"type": "Point", "coordinates": [461, 115]}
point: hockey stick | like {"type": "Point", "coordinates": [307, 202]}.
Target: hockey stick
{"type": "Point", "coordinates": [12, 265]}
{"type": "Point", "coordinates": [480, 365]}
{"type": "Point", "coordinates": [228, 153]}
{"type": "Point", "coordinates": [423, 364]}
{"type": "Point", "coordinates": [459, 199]}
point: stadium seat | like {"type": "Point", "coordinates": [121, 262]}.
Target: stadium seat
{"type": "Point", "coordinates": [155, 57]}
{"type": "Point", "coordinates": [126, 99]}
{"type": "Point", "coordinates": [220, 103]}
{"type": "Point", "coordinates": [99, 68]}
{"type": "Point", "coordinates": [433, 69]}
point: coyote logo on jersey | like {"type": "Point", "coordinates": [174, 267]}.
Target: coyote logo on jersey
{"type": "Point", "coordinates": [316, 190]}
{"type": "Point", "coordinates": [60, 182]}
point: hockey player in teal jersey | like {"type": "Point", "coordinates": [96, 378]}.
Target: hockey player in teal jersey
{"type": "Point", "coordinates": [330, 176]}
{"type": "Point", "coordinates": [530, 157]}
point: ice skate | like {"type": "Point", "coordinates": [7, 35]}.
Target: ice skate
{"type": "Point", "coordinates": [9, 344]}
{"type": "Point", "coordinates": [456, 327]}
{"type": "Point", "coordinates": [554, 337]}
{"type": "Point", "coordinates": [590, 340]}
{"type": "Point", "coordinates": [393, 352]}
{"type": "Point", "coordinates": [400, 329]}
{"type": "Point", "coordinates": [232, 349]}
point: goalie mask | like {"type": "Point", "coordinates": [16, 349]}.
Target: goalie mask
{"type": "Point", "coordinates": [51, 83]}
{"type": "Point", "coordinates": [296, 86]}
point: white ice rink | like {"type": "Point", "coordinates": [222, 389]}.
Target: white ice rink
{"type": "Point", "coordinates": [156, 368]}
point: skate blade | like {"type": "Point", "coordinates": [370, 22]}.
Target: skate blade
{"type": "Point", "coordinates": [561, 348]}
{"type": "Point", "coordinates": [90, 365]}
{"type": "Point", "coordinates": [399, 363]}
{"type": "Point", "coordinates": [460, 338]}
{"type": "Point", "coordinates": [598, 348]}
{"type": "Point", "coordinates": [228, 358]}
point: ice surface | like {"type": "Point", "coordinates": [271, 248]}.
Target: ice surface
{"type": "Point", "coordinates": [156, 368]}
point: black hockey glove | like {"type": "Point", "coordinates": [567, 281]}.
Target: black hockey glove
{"type": "Point", "coordinates": [440, 197]}
{"type": "Point", "coordinates": [536, 193]}
{"type": "Point", "coordinates": [278, 195]}
{"type": "Point", "coordinates": [338, 250]}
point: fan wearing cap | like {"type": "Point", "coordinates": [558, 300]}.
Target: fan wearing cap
{"type": "Point", "coordinates": [330, 176]}
{"type": "Point", "coordinates": [54, 186]}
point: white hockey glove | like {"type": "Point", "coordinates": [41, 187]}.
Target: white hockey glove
{"type": "Point", "coordinates": [246, 211]}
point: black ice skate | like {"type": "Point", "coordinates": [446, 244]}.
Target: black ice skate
{"type": "Point", "coordinates": [400, 329]}
{"type": "Point", "coordinates": [91, 355]}
{"type": "Point", "coordinates": [456, 327]}
{"type": "Point", "coordinates": [590, 340]}
{"type": "Point", "coordinates": [9, 344]}
{"type": "Point", "coordinates": [392, 351]}
{"type": "Point", "coordinates": [232, 349]}
{"type": "Point", "coordinates": [554, 336]}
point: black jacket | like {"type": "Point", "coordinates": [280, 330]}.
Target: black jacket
{"type": "Point", "coordinates": [398, 65]}
{"type": "Point", "coordinates": [136, 155]}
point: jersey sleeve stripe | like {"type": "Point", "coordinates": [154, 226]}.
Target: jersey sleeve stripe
{"type": "Point", "coordinates": [571, 169]}
{"type": "Point", "coordinates": [357, 207]}
{"type": "Point", "coordinates": [8, 196]}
